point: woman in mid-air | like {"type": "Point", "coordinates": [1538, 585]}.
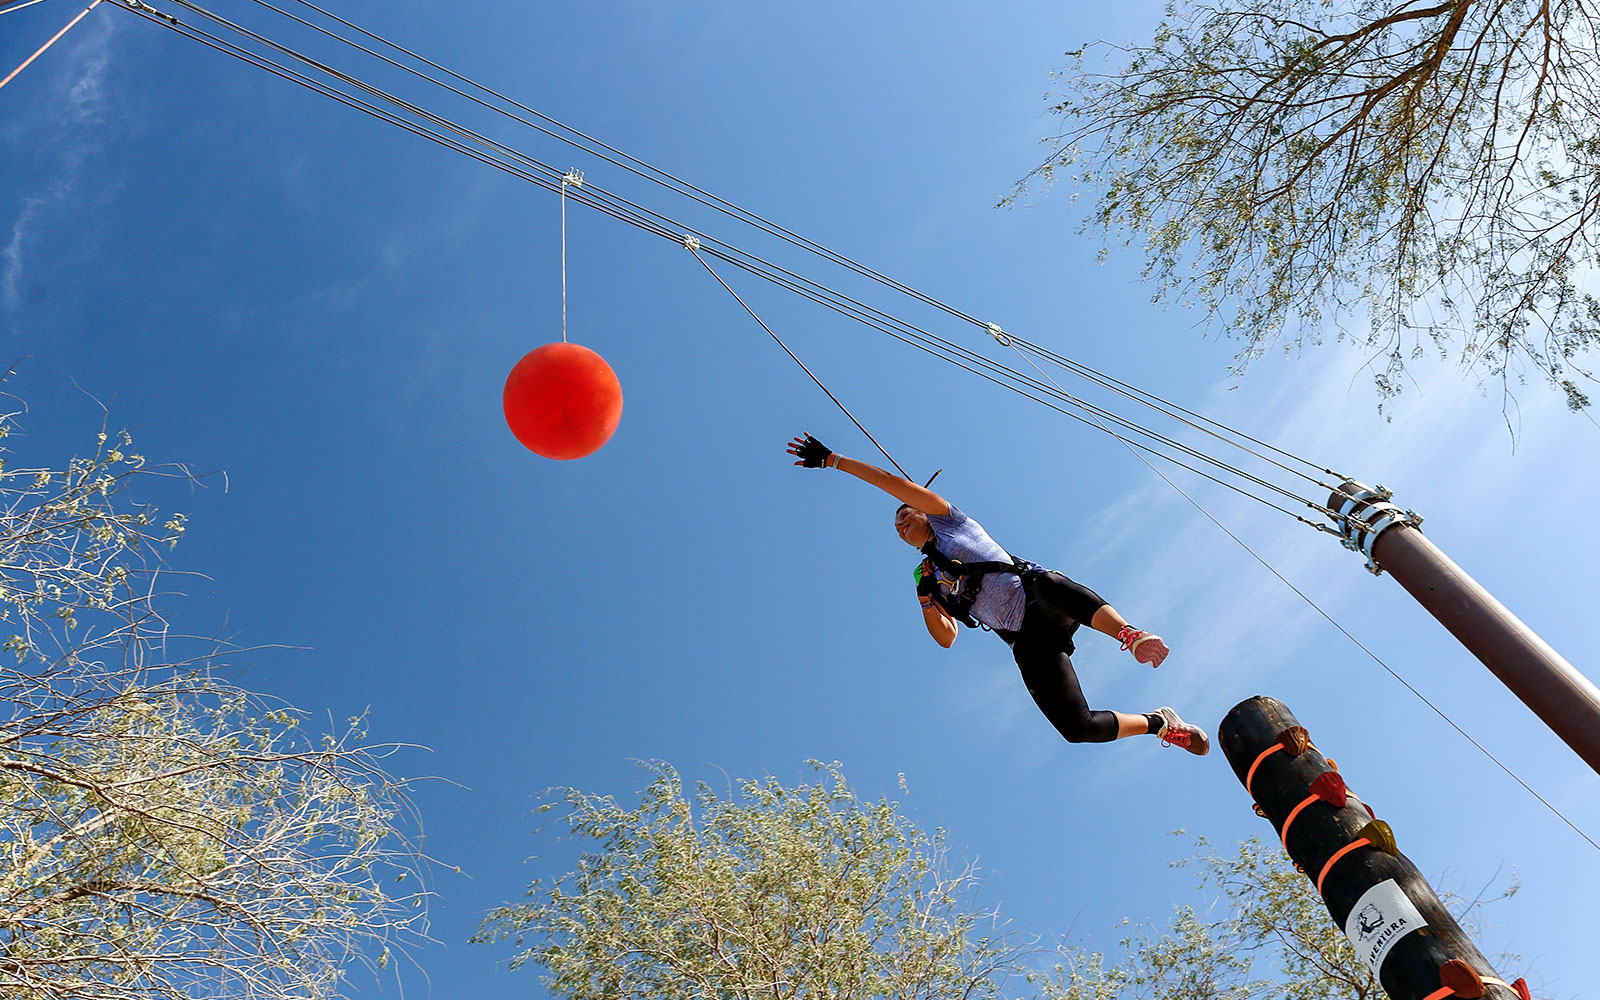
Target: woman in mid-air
{"type": "Point", "coordinates": [965, 576]}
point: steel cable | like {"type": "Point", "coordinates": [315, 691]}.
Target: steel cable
{"type": "Point", "coordinates": [529, 168]}
{"type": "Point", "coordinates": [657, 175]}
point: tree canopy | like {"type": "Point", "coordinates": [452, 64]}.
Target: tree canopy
{"type": "Point", "coordinates": [810, 892]}
{"type": "Point", "coordinates": [771, 891]}
{"type": "Point", "coordinates": [1422, 177]}
{"type": "Point", "coordinates": [163, 833]}
{"type": "Point", "coordinates": [1271, 940]}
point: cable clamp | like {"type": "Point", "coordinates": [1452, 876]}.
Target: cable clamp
{"type": "Point", "coordinates": [998, 334]}
{"type": "Point", "coordinates": [691, 242]}
{"type": "Point", "coordinates": [149, 11]}
{"type": "Point", "coordinates": [573, 177]}
{"type": "Point", "coordinates": [1364, 513]}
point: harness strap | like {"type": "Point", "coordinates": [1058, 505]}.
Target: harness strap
{"type": "Point", "coordinates": [960, 569]}
{"type": "Point", "coordinates": [958, 603]}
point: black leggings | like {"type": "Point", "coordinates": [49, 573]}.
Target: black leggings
{"type": "Point", "coordinates": [1043, 647]}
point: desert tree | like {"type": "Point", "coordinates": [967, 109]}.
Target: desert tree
{"type": "Point", "coordinates": [1423, 177]}
{"type": "Point", "coordinates": [1262, 933]}
{"type": "Point", "coordinates": [810, 892]}
{"type": "Point", "coordinates": [766, 891]}
{"type": "Point", "coordinates": [164, 833]}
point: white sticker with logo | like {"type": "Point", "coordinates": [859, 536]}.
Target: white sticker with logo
{"type": "Point", "coordinates": [1381, 917]}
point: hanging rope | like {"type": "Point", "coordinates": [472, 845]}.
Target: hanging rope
{"type": "Point", "coordinates": [19, 6]}
{"type": "Point", "coordinates": [575, 178]}
{"type": "Point", "coordinates": [693, 245]}
{"type": "Point", "coordinates": [53, 39]}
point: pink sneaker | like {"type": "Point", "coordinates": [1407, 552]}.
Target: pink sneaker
{"type": "Point", "coordinates": [1177, 733]}
{"type": "Point", "coordinates": [1146, 648]}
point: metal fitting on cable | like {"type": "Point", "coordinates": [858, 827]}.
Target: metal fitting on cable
{"type": "Point", "coordinates": [999, 334]}
{"type": "Point", "coordinates": [141, 5]}
{"type": "Point", "coordinates": [1362, 513]}
{"type": "Point", "coordinates": [691, 242]}
{"type": "Point", "coordinates": [573, 177]}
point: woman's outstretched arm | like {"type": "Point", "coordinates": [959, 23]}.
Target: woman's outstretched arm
{"type": "Point", "coordinates": [813, 454]}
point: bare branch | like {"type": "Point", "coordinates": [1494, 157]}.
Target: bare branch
{"type": "Point", "coordinates": [1289, 164]}
{"type": "Point", "coordinates": [164, 833]}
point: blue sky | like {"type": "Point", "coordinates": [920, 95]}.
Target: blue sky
{"type": "Point", "coordinates": [262, 282]}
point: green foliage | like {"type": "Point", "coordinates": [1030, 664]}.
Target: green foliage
{"type": "Point", "coordinates": [1274, 939]}
{"type": "Point", "coordinates": [164, 834]}
{"type": "Point", "coordinates": [1264, 935]}
{"type": "Point", "coordinates": [772, 891]}
{"type": "Point", "coordinates": [1292, 165]}
{"type": "Point", "coordinates": [809, 892]}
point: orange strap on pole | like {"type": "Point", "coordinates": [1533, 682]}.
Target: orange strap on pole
{"type": "Point", "coordinates": [1341, 852]}
{"type": "Point", "coordinates": [1520, 988]}
{"type": "Point", "coordinates": [1329, 788]}
{"type": "Point", "coordinates": [1263, 755]}
{"type": "Point", "coordinates": [1295, 812]}
{"type": "Point", "coordinates": [70, 24]}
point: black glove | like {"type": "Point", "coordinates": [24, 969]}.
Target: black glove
{"type": "Point", "coordinates": [927, 579]}
{"type": "Point", "coordinates": [813, 454]}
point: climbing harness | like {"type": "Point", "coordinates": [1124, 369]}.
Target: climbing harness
{"type": "Point", "coordinates": [967, 581]}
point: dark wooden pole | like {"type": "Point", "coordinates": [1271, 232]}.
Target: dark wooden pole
{"type": "Point", "coordinates": [1564, 699]}
{"type": "Point", "coordinates": [1372, 890]}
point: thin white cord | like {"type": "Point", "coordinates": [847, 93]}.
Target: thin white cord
{"type": "Point", "coordinates": [28, 3]}
{"type": "Point", "coordinates": [575, 178]}
{"type": "Point", "coordinates": [54, 39]}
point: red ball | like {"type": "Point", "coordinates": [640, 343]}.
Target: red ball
{"type": "Point", "coordinates": [562, 401]}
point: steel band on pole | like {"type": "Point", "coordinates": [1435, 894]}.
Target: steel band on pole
{"type": "Point", "coordinates": [1564, 699]}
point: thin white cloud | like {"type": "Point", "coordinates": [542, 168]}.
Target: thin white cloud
{"type": "Point", "coordinates": [391, 258]}
{"type": "Point", "coordinates": [86, 99]}
{"type": "Point", "coordinates": [67, 126]}
{"type": "Point", "coordinates": [12, 256]}
{"type": "Point", "coordinates": [1440, 450]}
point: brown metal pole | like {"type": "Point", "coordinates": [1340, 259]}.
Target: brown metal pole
{"type": "Point", "coordinates": [1566, 700]}
{"type": "Point", "coordinates": [1390, 914]}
